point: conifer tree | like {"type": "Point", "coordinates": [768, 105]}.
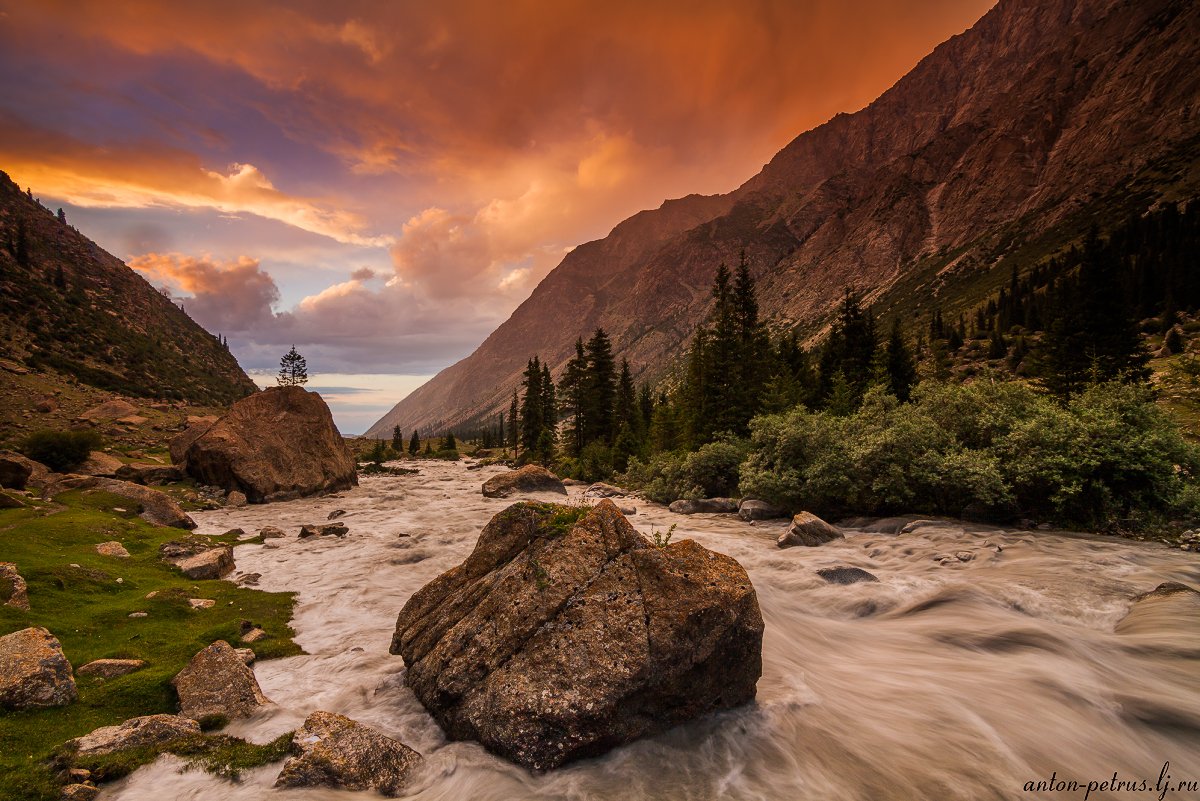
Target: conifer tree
{"type": "Point", "coordinates": [397, 439]}
{"type": "Point", "coordinates": [414, 444]}
{"type": "Point", "coordinates": [549, 404]}
{"type": "Point", "coordinates": [600, 386]}
{"type": "Point", "coordinates": [572, 390]}
{"type": "Point", "coordinates": [293, 369]}
{"type": "Point", "coordinates": [901, 367]}
{"type": "Point", "coordinates": [514, 423]}
{"type": "Point", "coordinates": [450, 443]}
{"type": "Point", "coordinates": [532, 406]}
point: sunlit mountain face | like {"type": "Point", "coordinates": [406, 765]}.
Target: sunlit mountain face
{"type": "Point", "coordinates": [381, 184]}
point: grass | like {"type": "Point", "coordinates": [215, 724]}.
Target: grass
{"type": "Point", "coordinates": [87, 609]}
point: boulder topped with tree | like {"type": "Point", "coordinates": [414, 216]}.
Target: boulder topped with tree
{"type": "Point", "coordinates": [277, 444]}
{"type": "Point", "coordinates": [566, 633]}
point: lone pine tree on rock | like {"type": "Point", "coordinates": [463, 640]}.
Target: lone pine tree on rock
{"type": "Point", "coordinates": [293, 370]}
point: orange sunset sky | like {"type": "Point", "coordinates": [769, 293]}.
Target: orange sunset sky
{"type": "Point", "coordinates": [382, 183]}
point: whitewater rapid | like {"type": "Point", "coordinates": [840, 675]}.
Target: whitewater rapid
{"type": "Point", "coordinates": [946, 679]}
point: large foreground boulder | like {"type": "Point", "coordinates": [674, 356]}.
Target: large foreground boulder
{"type": "Point", "coordinates": [277, 444]}
{"type": "Point", "coordinates": [530, 478]}
{"type": "Point", "coordinates": [218, 684]}
{"type": "Point", "coordinates": [553, 643]}
{"type": "Point", "coordinates": [334, 751]}
{"type": "Point", "coordinates": [34, 673]}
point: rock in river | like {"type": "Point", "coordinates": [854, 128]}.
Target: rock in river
{"type": "Point", "coordinates": [808, 529]}
{"type": "Point", "coordinates": [529, 478]}
{"type": "Point", "coordinates": [334, 751]}
{"type": "Point", "coordinates": [140, 732]}
{"type": "Point", "coordinates": [217, 683]}
{"type": "Point", "coordinates": [715, 506]}
{"type": "Point", "coordinates": [34, 673]}
{"type": "Point", "coordinates": [552, 643]}
{"type": "Point", "coordinates": [277, 444]}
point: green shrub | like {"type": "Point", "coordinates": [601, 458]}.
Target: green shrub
{"type": "Point", "coordinates": [1110, 458]}
{"type": "Point", "coordinates": [710, 472]}
{"type": "Point", "coordinates": [61, 451]}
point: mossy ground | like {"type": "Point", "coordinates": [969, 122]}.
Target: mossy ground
{"type": "Point", "coordinates": [87, 609]}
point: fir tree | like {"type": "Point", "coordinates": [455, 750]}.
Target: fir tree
{"type": "Point", "coordinates": [901, 367]}
{"type": "Point", "coordinates": [450, 443]}
{"type": "Point", "coordinates": [600, 387]}
{"type": "Point", "coordinates": [414, 444]}
{"type": "Point", "coordinates": [293, 370]}
{"type": "Point", "coordinates": [572, 390]}
{"type": "Point", "coordinates": [397, 440]}
{"type": "Point", "coordinates": [514, 424]}
{"type": "Point", "coordinates": [532, 406]}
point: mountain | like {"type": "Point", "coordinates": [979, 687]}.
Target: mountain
{"type": "Point", "coordinates": [69, 307]}
{"type": "Point", "coordinates": [1004, 143]}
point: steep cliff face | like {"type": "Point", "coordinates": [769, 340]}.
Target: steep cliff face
{"type": "Point", "coordinates": [1042, 116]}
{"type": "Point", "coordinates": [69, 307]}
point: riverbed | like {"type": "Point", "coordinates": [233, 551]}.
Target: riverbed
{"type": "Point", "coordinates": [983, 659]}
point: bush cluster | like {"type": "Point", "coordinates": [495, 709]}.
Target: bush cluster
{"type": "Point", "coordinates": [1108, 458]}
{"type": "Point", "coordinates": [711, 471]}
{"type": "Point", "coordinates": [61, 451]}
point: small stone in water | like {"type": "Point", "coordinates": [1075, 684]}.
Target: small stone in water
{"type": "Point", "coordinates": [139, 614]}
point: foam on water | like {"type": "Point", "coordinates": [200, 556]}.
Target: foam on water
{"type": "Point", "coordinates": [945, 679]}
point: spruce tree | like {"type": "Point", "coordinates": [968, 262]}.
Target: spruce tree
{"type": "Point", "coordinates": [293, 369]}
{"type": "Point", "coordinates": [450, 444]}
{"type": "Point", "coordinates": [414, 444]}
{"type": "Point", "coordinates": [549, 404]}
{"type": "Point", "coordinates": [532, 406]}
{"type": "Point", "coordinates": [514, 423]}
{"type": "Point", "coordinates": [901, 367]}
{"type": "Point", "coordinates": [600, 387]}
{"type": "Point", "coordinates": [572, 390]}
{"type": "Point", "coordinates": [625, 411]}
{"type": "Point", "coordinates": [397, 439]}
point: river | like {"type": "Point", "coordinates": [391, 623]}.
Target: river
{"type": "Point", "coordinates": [946, 679]}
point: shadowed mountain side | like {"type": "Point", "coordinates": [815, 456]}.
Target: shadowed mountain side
{"type": "Point", "coordinates": [1042, 115]}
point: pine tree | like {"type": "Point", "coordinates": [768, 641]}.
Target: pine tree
{"type": "Point", "coordinates": [500, 431]}
{"type": "Point", "coordinates": [549, 403]}
{"type": "Point", "coordinates": [1093, 336]}
{"type": "Point", "coordinates": [450, 443]}
{"type": "Point", "coordinates": [901, 367]}
{"type": "Point", "coordinates": [397, 439]}
{"type": "Point", "coordinates": [293, 370]}
{"type": "Point", "coordinates": [532, 406]}
{"type": "Point", "coordinates": [625, 412]}
{"type": "Point", "coordinates": [514, 423]}
{"type": "Point", "coordinates": [572, 390]}
{"type": "Point", "coordinates": [600, 387]}
{"type": "Point", "coordinates": [414, 444]}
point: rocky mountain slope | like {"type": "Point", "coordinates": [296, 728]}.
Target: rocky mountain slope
{"type": "Point", "coordinates": [1002, 144]}
{"type": "Point", "coordinates": [67, 307]}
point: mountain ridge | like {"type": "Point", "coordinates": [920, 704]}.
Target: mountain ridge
{"type": "Point", "coordinates": [1037, 113]}
{"type": "Point", "coordinates": [67, 306]}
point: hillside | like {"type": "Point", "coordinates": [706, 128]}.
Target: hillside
{"type": "Point", "coordinates": [1005, 142]}
{"type": "Point", "coordinates": [69, 308]}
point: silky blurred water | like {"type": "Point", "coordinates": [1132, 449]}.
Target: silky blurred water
{"type": "Point", "coordinates": [947, 679]}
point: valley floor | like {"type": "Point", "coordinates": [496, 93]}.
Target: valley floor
{"type": "Point", "coordinates": [981, 660]}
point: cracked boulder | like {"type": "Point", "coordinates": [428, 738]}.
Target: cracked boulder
{"type": "Point", "coordinates": [566, 633]}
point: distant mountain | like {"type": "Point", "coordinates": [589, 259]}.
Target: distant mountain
{"type": "Point", "coordinates": [1005, 142]}
{"type": "Point", "coordinates": [68, 306]}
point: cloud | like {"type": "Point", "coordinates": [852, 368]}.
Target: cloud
{"type": "Point", "coordinates": [228, 297]}
{"type": "Point", "coordinates": [144, 174]}
{"type": "Point", "coordinates": [473, 143]}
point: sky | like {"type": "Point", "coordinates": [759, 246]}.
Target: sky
{"type": "Point", "coordinates": [381, 184]}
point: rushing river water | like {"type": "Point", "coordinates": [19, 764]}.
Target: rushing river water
{"type": "Point", "coordinates": [944, 680]}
